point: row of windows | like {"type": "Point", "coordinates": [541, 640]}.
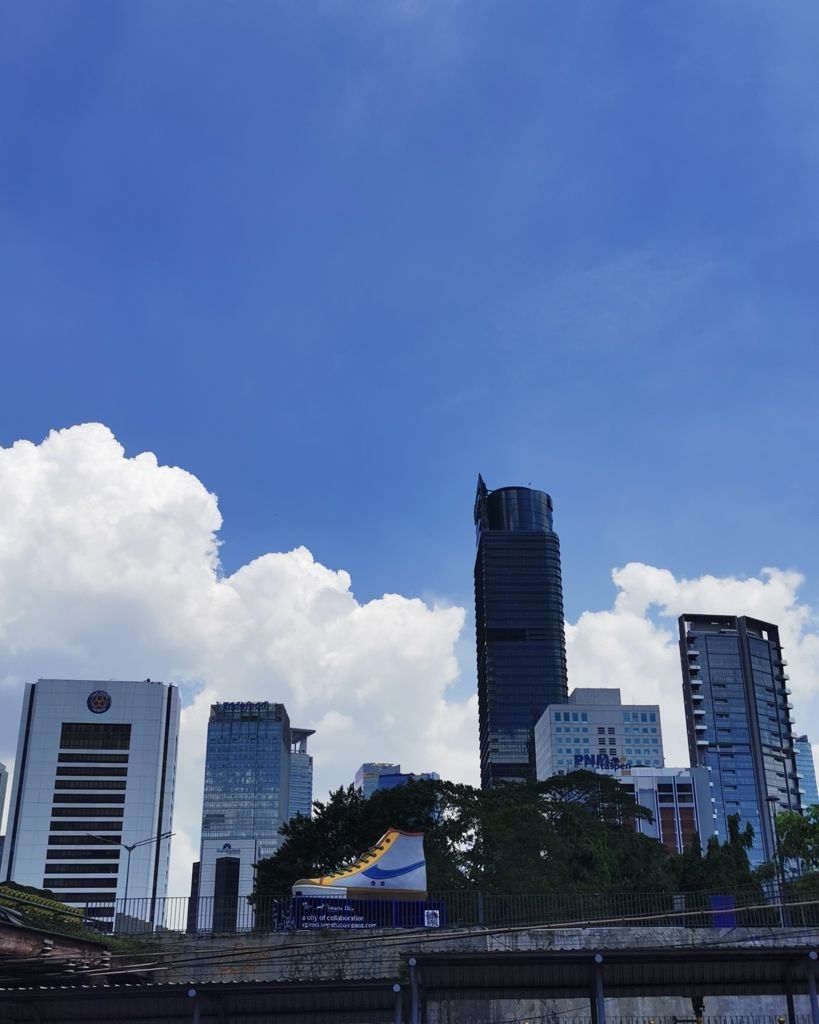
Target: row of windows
{"type": "Point", "coordinates": [93, 758]}
{"type": "Point", "coordinates": [81, 771]}
{"type": "Point", "coordinates": [639, 716]}
{"type": "Point", "coordinates": [88, 869]}
{"type": "Point", "coordinates": [571, 716]}
{"type": "Point", "coordinates": [95, 784]}
{"type": "Point", "coordinates": [82, 839]}
{"type": "Point", "coordinates": [93, 735]}
{"type": "Point", "coordinates": [646, 762]}
{"type": "Point", "coordinates": [84, 798]}
{"type": "Point", "coordinates": [90, 812]}
{"type": "Point", "coordinates": [81, 854]}
{"type": "Point", "coordinates": [81, 883]}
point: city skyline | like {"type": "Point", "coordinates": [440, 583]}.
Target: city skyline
{"type": "Point", "coordinates": [340, 655]}
{"type": "Point", "coordinates": [283, 278]}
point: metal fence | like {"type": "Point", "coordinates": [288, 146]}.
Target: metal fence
{"type": "Point", "coordinates": [756, 907]}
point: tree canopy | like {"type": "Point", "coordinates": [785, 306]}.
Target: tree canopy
{"type": "Point", "coordinates": [572, 833]}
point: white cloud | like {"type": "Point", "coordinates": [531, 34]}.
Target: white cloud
{"type": "Point", "coordinates": [634, 645]}
{"type": "Point", "coordinates": [109, 568]}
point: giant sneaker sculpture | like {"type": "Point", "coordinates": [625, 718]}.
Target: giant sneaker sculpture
{"type": "Point", "coordinates": [395, 867]}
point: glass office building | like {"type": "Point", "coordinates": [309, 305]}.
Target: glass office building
{"type": "Point", "coordinates": [521, 647]}
{"type": "Point", "coordinates": [738, 717]}
{"type": "Point", "coordinates": [246, 801]}
{"type": "Point", "coordinates": [807, 773]}
{"type": "Point", "coordinates": [247, 773]}
{"type": "Point", "coordinates": [375, 775]}
{"type": "Point", "coordinates": [301, 773]}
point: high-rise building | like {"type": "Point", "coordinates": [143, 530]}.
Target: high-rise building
{"type": "Point", "coordinates": [245, 803]}
{"type": "Point", "coordinates": [806, 771]}
{"type": "Point", "coordinates": [738, 717]}
{"type": "Point", "coordinates": [521, 646]}
{"type": "Point", "coordinates": [301, 773]}
{"type": "Point", "coordinates": [392, 780]}
{"type": "Point", "coordinates": [595, 730]}
{"type": "Point", "coordinates": [372, 776]}
{"type": "Point", "coordinates": [367, 776]}
{"type": "Point", "coordinates": [95, 771]}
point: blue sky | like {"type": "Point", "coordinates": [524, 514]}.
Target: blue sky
{"type": "Point", "coordinates": [337, 258]}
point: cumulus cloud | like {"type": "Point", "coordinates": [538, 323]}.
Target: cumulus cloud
{"type": "Point", "coordinates": [109, 568]}
{"type": "Point", "coordinates": [633, 645]}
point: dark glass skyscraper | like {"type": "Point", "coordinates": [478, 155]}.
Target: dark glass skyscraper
{"type": "Point", "coordinates": [520, 637]}
{"type": "Point", "coordinates": [738, 716]}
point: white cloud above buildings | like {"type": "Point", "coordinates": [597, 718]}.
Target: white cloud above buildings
{"type": "Point", "coordinates": [109, 568]}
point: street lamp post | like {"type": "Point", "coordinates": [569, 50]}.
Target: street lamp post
{"type": "Point", "coordinates": [129, 849]}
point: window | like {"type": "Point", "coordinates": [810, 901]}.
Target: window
{"type": "Point", "coordinates": [89, 798]}
{"type": "Point", "coordinates": [90, 735]}
{"type": "Point", "coordinates": [88, 784]}
{"type": "Point", "coordinates": [611, 730]}
{"type": "Point", "coordinates": [93, 759]}
{"type": "Point", "coordinates": [584, 716]}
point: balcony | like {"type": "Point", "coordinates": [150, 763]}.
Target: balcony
{"type": "Point", "coordinates": [697, 696]}
{"type": "Point", "coordinates": [702, 742]}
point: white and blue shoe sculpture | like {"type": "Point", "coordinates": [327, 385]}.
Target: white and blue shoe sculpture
{"type": "Point", "coordinates": [394, 868]}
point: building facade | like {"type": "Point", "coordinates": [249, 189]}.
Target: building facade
{"type": "Point", "coordinates": [95, 771]}
{"type": "Point", "coordinates": [247, 773]}
{"type": "Point", "coordinates": [301, 773]}
{"type": "Point", "coordinates": [680, 801]}
{"type": "Point", "coordinates": [521, 647]}
{"type": "Point", "coordinates": [738, 718]}
{"type": "Point", "coordinates": [806, 770]}
{"type": "Point", "coordinates": [246, 801]}
{"type": "Point", "coordinates": [391, 780]}
{"type": "Point", "coordinates": [367, 776]}
{"type": "Point", "coordinates": [594, 730]}
{"type": "Point", "coordinates": [375, 775]}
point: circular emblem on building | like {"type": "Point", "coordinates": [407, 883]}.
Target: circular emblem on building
{"type": "Point", "coordinates": [99, 702]}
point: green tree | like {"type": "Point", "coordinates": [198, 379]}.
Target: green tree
{"type": "Point", "coordinates": [572, 833]}
{"type": "Point", "coordinates": [724, 867]}
{"type": "Point", "coordinates": [798, 836]}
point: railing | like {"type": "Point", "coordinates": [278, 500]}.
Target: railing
{"type": "Point", "coordinates": [757, 907]}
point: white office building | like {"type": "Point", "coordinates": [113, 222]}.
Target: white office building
{"type": "Point", "coordinates": [595, 730]}
{"type": "Point", "coordinates": [680, 803]}
{"type": "Point", "coordinates": [94, 773]}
